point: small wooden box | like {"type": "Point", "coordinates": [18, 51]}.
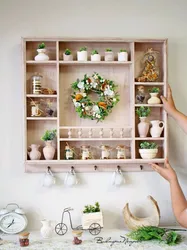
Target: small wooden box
{"type": "Point", "coordinates": [90, 218]}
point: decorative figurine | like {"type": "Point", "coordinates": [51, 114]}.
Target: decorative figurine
{"type": "Point", "coordinates": [86, 154]}
{"type": "Point", "coordinates": [121, 152]}
{"type": "Point", "coordinates": [35, 110]}
{"type": "Point", "coordinates": [140, 97]}
{"type": "Point", "coordinates": [150, 72]}
{"type": "Point", "coordinates": [69, 152]}
{"type": "Point", "coordinates": [77, 234]}
{"type": "Point", "coordinates": [105, 151]}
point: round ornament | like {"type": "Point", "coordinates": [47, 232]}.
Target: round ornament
{"type": "Point", "coordinates": [107, 97]}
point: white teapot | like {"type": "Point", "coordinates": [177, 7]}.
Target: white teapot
{"type": "Point", "coordinates": [157, 128]}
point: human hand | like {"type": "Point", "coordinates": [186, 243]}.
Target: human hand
{"type": "Point", "coordinates": [168, 102]}
{"type": "Point", "coordinates": [167, 172]}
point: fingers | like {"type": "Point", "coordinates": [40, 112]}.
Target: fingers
{"type": "Point", "coordinates": [163, 99]}
{"type": "Point", "coordinates": [156, 167]}
{"type": "Point", "coordinates": [167, 164]}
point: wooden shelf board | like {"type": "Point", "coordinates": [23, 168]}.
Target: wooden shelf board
{"type": "Point", "coordinates": [95, 139]}
{"type": "Point", "coordinates": [93, 63]}
{"type": "Point", "coordinates": [42, 118]}
{"type": "Point", "coordinates": [149, 138]}
{"type": "Point", "coordinates": [89, 127]}
{"type": "Point", "coordinates": [40, 96]}
{"type": "Point", "coordinates": [149, 83]}
{"type": "Point", "coordinates": [50, 62]}
{"type": "Point", "coordinates": [149, 105]}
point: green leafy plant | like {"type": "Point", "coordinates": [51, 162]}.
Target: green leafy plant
{"type": "Point", "coordinates": [67, 52]}
{"type": "Point", "coordinates": [108, 50]}
{"type": "Point", "coordinates": [92, 209]}
{"type": "Point", "coordinates": [143, 111]}
{"type": "Point", "coordinates": [95, 52]}
{"type": "Point", "coordinates": [122, 50]}
{"type": "Point", "coordinates": [155, 233]}
{"type": "Point", "coordinates": [83, 49]}
{"type": "Point", "coordinates": [49, 135]}
{"type": "Point", "coordinates": [41, 46]}
{"type": "Point", "coordinates": [154, 90]}
{"type": "Point", "coordinates": [148, 145]}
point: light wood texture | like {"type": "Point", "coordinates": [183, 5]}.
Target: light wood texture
{"type": "Point", "coordinates": [120, 127]}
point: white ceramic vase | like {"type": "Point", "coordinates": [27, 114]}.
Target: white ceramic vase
{"type": "Point", "coordinates": [67, 57]}
{"type": "Point", "coordinates": [143, 127]}
{"type": "Point", "coordinates": [109, 56]}
{"type": "Point", "coordinates": [46, 229]}
{"type": "Point", "coordinates": [156, 129]}
{"type": "Point", "coordinates": [122, 56]}
{"type": "Point", "coordinates": [148, 153]}
{"type": "Point", "coordinates": [34, 154]}
{"type": "Point", "coordinates": [154, 99]}
{"type": "Point", "coordinates": [82, 55]}
{"type": "Point", "coordinates": [95, 58]}
{"type": "Point", "coordinates": [49, 151]}
{"type": "Point", "coordinates": [41, 55]}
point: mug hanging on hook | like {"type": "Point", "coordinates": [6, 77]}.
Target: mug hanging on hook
{"type": "Point", "coordinates": [49, 179]}
{"type": "Point", "coordinates": [117, 177]}
{"type": "Point", "coordinates": [71, 178]}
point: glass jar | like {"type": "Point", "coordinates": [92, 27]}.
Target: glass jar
{"type": "Point", "coordinates": [69, 153]}
{"type": "Point", "coordinates": [77, 237]}
{"type": "Point", "coordinates": [85, 154]}
{"type": "Point", "coordinates": [36, 84]}
{"type": "Point", "coordinates": [105, 152]}
{"type": "Point", "coordinates": [121, 152]}
{"type": "Point", "coordinates": [23, 239]}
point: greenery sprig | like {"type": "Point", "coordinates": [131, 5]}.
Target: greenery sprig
{"type": "Point", "coordinates": [148, 145]}
{"type": "Point", "coordinates": [154, 90]}
{"type": "Point", "coordinates": [92, 209]}
{"type": "Point", "coordinates": [95, 52]}
{"type": "Point", "coordinates": [67, 52]}
{"type": "Point", "coordinates": [41, 46]}
{"type": "Point", "coordinates": [49, 135]}
{"type": "Point", "coordinates": [107, 97]}
{"type": "Point", "coordinates": [143, 111]}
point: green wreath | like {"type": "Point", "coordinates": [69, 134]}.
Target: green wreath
{"type": "Point", "coordinates": [108, 97]}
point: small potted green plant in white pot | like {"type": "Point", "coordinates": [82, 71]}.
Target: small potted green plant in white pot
{"type": "Point", "coordinates": [143, 127]}
{"type": "Point", "coordinates": [109, 55]}
{"type": "Point", "coordinates": [95, 56]}
{"type": "Point", "coordinates": [122, 55]}
{"type": "Point", "coordinates": [148, 150]}
{"type": "Point", "coordinates": [67, 55]}
{"type": "Point", "coordinates": [41, 53]}
{"type": "Point", "coordinates": [92, 214]}
{"type": "Point", "coordinates": [82, 54]}
{"type": "Point", "coordinates": [154, 96]}
{"type": "Point", "coordinates": [49, 149]}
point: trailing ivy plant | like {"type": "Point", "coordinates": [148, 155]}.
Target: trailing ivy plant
{"type": "Point", "coordinates": [148, 145]}
{"type": "Point", "coordinates": [143, 111]}
{"type": "Point", "coordinates": [49, 135]}
{"type": "Point", "coordinates": [67, 52]}
{"type": "Point", "coordinates": [91, 209]}
{"type": "Point", "coordinates": [154, 90]}
{"type": "Point", "coordinates": [41, 46]}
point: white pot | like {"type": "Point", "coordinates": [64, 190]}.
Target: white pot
{"type": "Point", "coordinates": [67, 57]}
{"type": "Point", "coordinates": [122, 56]}
{"type": "Point", "coordinates": [46, 230]}
{"type": "Point", "coordinates": [82, 55]}
{"type": "Point", "coordinates": [156, 129]}
{"type": "Point", "coordinates": [95, 57]}
{"type": "Point", "coordinates": [109, 56]}
{"type": "Point", "coordinates": [41, 55]}
{"type": "Point", "coordinates": [148, 153]}
{"type": "Point", "coordinates": [49, 151]}
{"type": "Point", "coordinates": [154, 99]}
{"type": "Point", "coordinates": [89, 218]}
{"type": "Point", "coordinates": [143, 127]}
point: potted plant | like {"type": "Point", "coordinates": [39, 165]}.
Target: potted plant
{"type": "Point", "coordinates": [109, 55]}
{"type": "Point", "coordinates": [41, 53]}
{"type": "Point", "coordinates": [95, 56]}
{"type": "Point", "coordinates": [49, 150]}
{"type": "Point", "coordinates": [148, 150]}
{"type": "Point", "coordinates": [92, 214]}
{"type": "Point", "coordinates": [143, 126]}
{"type": "Point", "coordinates": [67, 55]}
{"type": "Point", "coordinates": [154, 96]}
{"type": "Point", "coordinates": [82, 54]}
{"type": "Point", "coordinates": [122, 55]}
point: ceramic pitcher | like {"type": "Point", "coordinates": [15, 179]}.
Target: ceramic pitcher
{"type": "Point", "coordinates": [157, 128]}
{"type": "Point", "coordinates": [34, 154]}
{"type": "Point", "coordinates": [46, 229]}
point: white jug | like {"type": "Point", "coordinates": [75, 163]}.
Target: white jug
{"type": "Point", "coordinates": [156, 129]}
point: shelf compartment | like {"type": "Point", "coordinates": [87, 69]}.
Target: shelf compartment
{"type": "Point", "coordinates": [94, 148]}
{"type": "Point", "coordinates": [141, 48]}
{"type": "Point", "coordinates": [31, 49]}
{"type": "Point", "coordinates": [49, 73]}
{"type": "Point", "coordinates": [74, 46]}
{"type": "Point", "coordinates": [147, 92]}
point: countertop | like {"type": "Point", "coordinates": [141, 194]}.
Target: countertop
{"type": "Point", "coordinates": [112, 239]}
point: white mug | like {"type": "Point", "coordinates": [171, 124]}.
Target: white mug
{"type": "Point", "coordinates": [71, 179]}
{"type": "Point", "coordinates": [49, 179]}
{"type": "Point", "coordinates": [117, 178]}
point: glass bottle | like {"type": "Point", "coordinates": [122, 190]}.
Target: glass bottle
{"type": "Point", "coordinates": [36, 84]}
{"type": "Point", "coordinates": [69, 154]}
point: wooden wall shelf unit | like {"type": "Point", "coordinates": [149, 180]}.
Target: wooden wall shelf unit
{"type": "Point", "coordinates": [120, 127]}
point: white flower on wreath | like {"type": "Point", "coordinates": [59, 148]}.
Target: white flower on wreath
{"type": "Point", "coordinates": [80, 85]}
{"type": "Point", "coordinates": [114, 99]}
{"type": "Point", "coordinates": [109, 92]}
{"type": "Point", "coordinates": [95, 76]}
{"type": "Point", "coordinates": [95, 109]}
{"type": "Point", "coordinates": [94, 84]}
{"type": "Point", "coordinates": [77, 104]}
{"type": "Point", "coordinates": [98, 116]}
{"type": "Point", "coordinates": [87, 108]}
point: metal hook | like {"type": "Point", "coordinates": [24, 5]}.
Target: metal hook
{"type": "Point", "coordinates": [72, 168]}
{"type": "Point", "coordinates": [48, 169]}
{"type": "Point", "coordinates": [141, 167]}
{"type": "Point", "coordinates": [118, 167]}
{"type": "Point", "coordinates": [95, 167]}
